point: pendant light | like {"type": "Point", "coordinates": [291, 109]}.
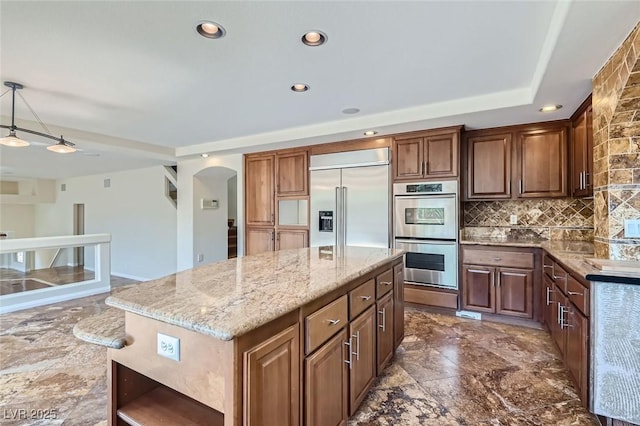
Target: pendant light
{"type": "Point", "coordinates": [12, 140]}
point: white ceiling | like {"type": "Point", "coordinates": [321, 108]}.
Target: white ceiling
{"type": "Point", "coordinates": [135, 83]}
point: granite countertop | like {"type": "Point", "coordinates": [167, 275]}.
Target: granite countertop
{"type": "Point", "coordinates": [232, 297]}
{"type": "Point", "coordinates": [105, 329]}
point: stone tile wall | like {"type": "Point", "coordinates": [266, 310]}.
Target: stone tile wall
{"type": "Point", "coordinates": [563, 218]}
{"type": "Point", "coordinates": [616, 154]}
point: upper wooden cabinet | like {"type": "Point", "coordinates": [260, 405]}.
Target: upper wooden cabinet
{"type": "Point", "coordinates": [489, 166]}
{"type": "Point", "coordinates": [291, 174]}
{"type": "Point", "coordinates": [528, 161]}
{"type": "Point", "coordinates": [426, 155]}
{"type": "Point", "coordinates": [581, 151]}
{"type": "Point", "coordinates": [541, 163]}
{"type": "Point", "coordinates": [260, 190]}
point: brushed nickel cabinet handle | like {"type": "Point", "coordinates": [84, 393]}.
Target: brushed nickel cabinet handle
{"type": "Point", "coordinates": [365, 298]}
{"type": "Point", "coordinates": [384, 321]}
{"type": "Point", "coordinates": [333, 322]}
{"type": "Point", "coordinates": [549, 291]}
{"type": "Point", "coordinates": [357, 337]}
{"type": "Point", "coordinates": [520, 185]}
{"type": "Point", "coordinates": [559, 277]}
{"type": "Point", "coordinates": [497, 259]}
{"type": "Point", "coordinates": [386, 282]}
{"type": "Point", "coordinates": [586, 182]}
{"type": "Point", "coordinates": [350, 355]}
{"type": "Point", "coordinates": [575, 293]}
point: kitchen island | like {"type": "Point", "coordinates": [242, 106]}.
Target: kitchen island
{"type": "Point", "coordinates": [287, 337]}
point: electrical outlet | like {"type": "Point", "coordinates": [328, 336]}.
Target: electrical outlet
{"type": "Point", "coordinates": [169, 347]}
{"type": "Point", "coordinates": [200, 257]}
{"type": "Point", "coordinates": [513, 219]}
{"type": "Point", "coordinates": [632, 228]}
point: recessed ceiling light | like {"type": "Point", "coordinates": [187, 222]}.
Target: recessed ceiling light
{"type": "Point", "coordinates": [210, 29]}
{"type": "Point", "coordinates": [370, 133]}
{"type": "Point", "coordinates": [550, 108]}
{"type": "Point", "coordinates": [351, 110]}
{"type": "Point", "coordinates": [300, 87]}
{"type": "Point", "coordinates": [314, 38]}
{"type": "Point", "coordinates": [205, 155]}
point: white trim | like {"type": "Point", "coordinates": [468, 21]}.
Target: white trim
{"type": "Point", "coordinates": [31, 299]}
{"type": "Point", "coordinates": [29, 244]}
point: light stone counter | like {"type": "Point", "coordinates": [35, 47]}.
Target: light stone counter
{"type": "Point", "coordinates": [232, 297]}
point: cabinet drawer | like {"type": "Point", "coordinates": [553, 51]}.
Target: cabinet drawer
{"type": "Point", "coordinates": [384, 283]}
{"type": "Point", "coordinates": [559, 276]}
{"type": "Point", "coordinates": [508, 259]}
{"type": "Point", "coordinates": [324, 323]}
{"type": "Point", "coordinates": [361, 298]}
{"type": "Point", "coordinates": [578, 294]}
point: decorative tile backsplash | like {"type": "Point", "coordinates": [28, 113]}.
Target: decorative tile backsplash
{"type": "Point", "coordinates": [563, 218]}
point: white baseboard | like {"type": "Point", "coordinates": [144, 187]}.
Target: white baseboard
{"type": "Point", "coordinates": [131, 277]}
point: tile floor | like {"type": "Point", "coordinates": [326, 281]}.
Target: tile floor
{"type": "Point", "coordinates": [448, 371]}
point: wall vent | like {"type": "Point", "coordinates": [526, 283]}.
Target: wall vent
{"type": "Point", "coordinates": [107, 183]}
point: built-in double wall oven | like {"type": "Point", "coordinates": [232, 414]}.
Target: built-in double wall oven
{"type": "Point", "coordinates": [426, 226]}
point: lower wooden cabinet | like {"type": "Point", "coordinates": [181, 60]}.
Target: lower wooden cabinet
{"type": "Point", "coordinates": [503, 285]}
{"type": "Point", "coordinates": [385, 345]}
{"type": "Point", "coordinates": [557, 328]}
{"type": "Point", "coordinates": [577, 344]}
{"type": "Point", "coordinates": [272, 380]}
{"type": "Point", "coordinates": [326, 384]}
{"type": "Point", "coordinates": [292, 239]}
{"type": "Point", "coordinates": [362, 367]}
{"type": "Point", "coordinates": [259, 240]}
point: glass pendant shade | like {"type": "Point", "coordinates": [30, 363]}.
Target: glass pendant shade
{"type": "Point", "coordinates": [61, 148]}
{"type": "Point", "coordinates": [13, 141]}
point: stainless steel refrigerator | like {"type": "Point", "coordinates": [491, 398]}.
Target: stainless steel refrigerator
{"type": "Point", "coordinates": [350, 198]}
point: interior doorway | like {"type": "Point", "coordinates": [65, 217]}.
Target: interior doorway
{"type": "Point", "coordinates": [78, 229]}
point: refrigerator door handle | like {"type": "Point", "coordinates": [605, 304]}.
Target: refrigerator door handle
{"type": "Point", "coordinates": [338, 220]}
{"type": "Point", "coordinates": [344, 215]}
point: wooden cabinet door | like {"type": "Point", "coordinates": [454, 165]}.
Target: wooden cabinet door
{"type": "Point", "coordinates": [326, 393]}
{"type": "Point", "coordinates": [292, 239]}
{"type": "Point", "coordinates": [478, 288]}
{"type": "Point", "coordinates": [259, 240]}
{"type": "Point", "coordinates": [291, 174]}
{"type": "Point", "coordinates": [441, 155]}
{"type": "Point", "coordinates": [557, 331]}
{"type": "Point", "coordinates": [272, 380]}
{"type": "Point", "coordinates": [398, 304]}
{"type": "Point", "coordinates": [362, 370]}
{"type": "Point", "coordinates": [581, 159]}
{"type": "Point", "coordinates": [259, 190]}
{"type": "Point", "coordinates": [489, 167]}
{"type": "Point", "coordinates": [408, 163]}
{"type": "Point", "coordinates": [548, 301]}
{"type": "Point", "coordinates": [385, 330]}
{"type": "Point", "coordinates": [576, 355]}
{"type": "Point", "coordinates": [514, 295]}
{"type": "Point", "coordinates": [542, 163]}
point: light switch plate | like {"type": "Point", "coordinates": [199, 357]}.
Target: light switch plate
{"type": "Point", "coordinates": [169, 346]}
{"type": "Point", "coordinates": [513, 219]}
{"type": "Point", "coordinates": [632, 228]}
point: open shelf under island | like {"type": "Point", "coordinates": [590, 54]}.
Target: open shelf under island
{"type": "Point", "coordinates": [288, 337]}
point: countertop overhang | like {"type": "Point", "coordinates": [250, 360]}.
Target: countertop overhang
{"type": "Point", "coordinates": [229, 298]}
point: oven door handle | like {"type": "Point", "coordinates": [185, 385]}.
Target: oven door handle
{"type": "Point", "coordinates": [432, 242]}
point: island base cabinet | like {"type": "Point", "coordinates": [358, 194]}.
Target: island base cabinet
{"type": "Point", "coordinates": [385, 344]}
{"type": "Point", "coordinates": [398, 304]}
{"type": "Point", "coordinates": [272, 381]}
{"type": "Point", "coordinates": [326, 382]}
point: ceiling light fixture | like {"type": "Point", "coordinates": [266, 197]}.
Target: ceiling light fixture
{"type": "Point", "coordinates": [550, 108]}
{"type": "Point", "coordinates": [314, 38]}
{"type": "Point", "coordinates": [13, 140]}
{"type": "Point", "coordinates": [210, 29]}
{"type": "Point", "coordinates": [300, 87]}
{"type": "Point", "coordinates": [205, 155]}
{"type": "Point", "coordinates": [351, 110]}
{"type": "Point", "coordinates": [370, 133]}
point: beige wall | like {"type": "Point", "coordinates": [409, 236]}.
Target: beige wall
{"type": "Point", "coordinates": [616, 126]}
